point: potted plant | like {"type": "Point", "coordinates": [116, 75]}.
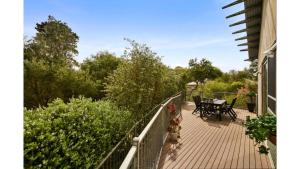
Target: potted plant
{"type": "Point", "coordinates": [171, 109]}
{"type": "Point", "coordinates": [251, 104]}
{"type": "Point", "coordinates": [261, 129]}
{"type": "Point", "coordinates": [174, 130]}
{"type": "Point", "coordinates": [174, 127]}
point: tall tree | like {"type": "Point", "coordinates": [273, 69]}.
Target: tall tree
{"type": "Point", "coordinates": [203, 70]}
{"type": "Point", "coordinates": [54, 42]}
{"type": "Point", "coordinates": [138, 82]}
{"type": "Point", "coordinates": [99, 67]}
{"type": "Point", "coordinates": [50, 52]}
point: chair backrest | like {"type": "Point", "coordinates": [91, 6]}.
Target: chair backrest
{"type": "Point", "coordinates": [195, 100]}
{"type": "Point", "coordinates": [233, 102]}
{"type": "Point", "coordinates": [198, 100]}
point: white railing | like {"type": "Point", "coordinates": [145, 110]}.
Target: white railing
{"type": "Point", "coordinates": [146, 148]}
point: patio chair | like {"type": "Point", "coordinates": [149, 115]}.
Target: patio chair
{"type": "Point", "coordinates": [229, 110]}
{"type": "Point", "coordinates": [208, 108]}
{"type": "Point", "coordinates": [197, 101]}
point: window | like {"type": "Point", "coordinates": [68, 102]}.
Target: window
{"type": "Point", "coordinates": [269, 83]}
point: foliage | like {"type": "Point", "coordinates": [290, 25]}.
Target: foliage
{"type": "Point", "coordinates": [203, 69]}
{"type": "Point", "coordinates": [170, 82]}
{"type": "Point", "coordinates": [141, 81]}
{"type": "Point", "coordinates": [184, 76]}
{"type": "Point", "coordinates": [234, 75]}
{"type": "Point", "coordinates": [260, 129]}
{"type": "Point", "coordinates": [235, 86]}
{"type": "Point", "coordinates": [251, 85]}
{"type": "Point", "coordinates": [251, 95]}
{"type": "Point", "coordinates": [253, 68]}
{"type": "Point", "coordinates": [43, 83]}
{"type": "Point", "coordinates": [240, 103]}
{"type": "Point", "coordinates": [99, 67]}
{"type": "Point", "coordinates": [73, 135]}
{"type": "Point", "coordinates": [49, 62]}
{"type": "Point", "coordinates": [54, 42]}
{"type": "Point", "coordinates": [242, 98]}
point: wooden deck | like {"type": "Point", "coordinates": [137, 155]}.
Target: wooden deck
{"type": "Point", "coordinates": [210, 143]}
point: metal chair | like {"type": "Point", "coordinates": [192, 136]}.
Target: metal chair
{"type": "Point", "coordinates": [197, 101]}
{"type": "Point", "coordinates": [208, 108]}
{"type": "Point", "coordinates": [229, 110]}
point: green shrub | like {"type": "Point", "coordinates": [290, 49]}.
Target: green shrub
{"type": "Point", "coordinates": [211, 88]}
{"type": "Point", "coordinates": [234, 86]}
{"type": "Point", "coordinates": [251, 85]}
{"type": "Point", "coordinates": [73, 135]}
{"type": "Point", "coordinates": [260, 128]}
{"type": "Point", "coordinates": [241, 96]}
{"type": "Point", "coordinates": [215, 86]}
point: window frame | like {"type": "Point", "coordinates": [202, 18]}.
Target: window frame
{"type": "Point", "coordinates": [265, 81]}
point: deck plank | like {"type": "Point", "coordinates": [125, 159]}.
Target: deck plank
{"type": "Point", "coordinates": [231, 149]}
{"type": "Point", "coordinates": [212, 148]}
{"type": "Point", "coordinates": [216, 157]}
{"type": "Point", "coordinates": [240, 163]}
{"type": "Point", "coordinates": [237, 148]}
{"type": "Point", "coordinates": [226, 151]}
{"type": "Point", "coordinates": [209, 143]}
{"type": "Point", "coordinates": [252, 154]}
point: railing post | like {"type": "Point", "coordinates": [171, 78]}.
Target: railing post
{"type": "Point", "coordinates": [135, 143]}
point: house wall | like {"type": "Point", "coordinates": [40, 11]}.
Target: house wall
{"type": "Point", "coordinates": [267, 39]}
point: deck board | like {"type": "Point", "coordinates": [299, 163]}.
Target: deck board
{"type": "Point", "coordinates": [210, 143]}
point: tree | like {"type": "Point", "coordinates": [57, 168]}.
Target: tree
{"type": "Point", "coordinates": [234, 75]}
{"type": "Point", "coordinates": [203, 70]}
{"type": "Point", "coordinates": [184, 76]}
{"type": "Point", "coordinates": [48, 62]}
{"type": "Point", "coordinates": [44, 83]}
{"type": "Point", "coordinates": [54, 42]}
{"type": "Point", "coordinates": [99, 67]}
{"type": "Point", "coordinates": [138, 82]}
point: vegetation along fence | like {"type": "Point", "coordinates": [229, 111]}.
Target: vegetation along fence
{"type": "Point", "coordinates": [115, 157]}
{"type": "Point", "coordinates": [146, 148]}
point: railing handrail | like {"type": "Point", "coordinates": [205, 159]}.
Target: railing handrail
{"type": "Point", "coordinates": [137, 140]}
{"type": "Point", "coordinates": [129, 158]}
{"type": "Point", "coordinates": [131, 129]}
{"type": "Point", "coordinates": [147, 128]}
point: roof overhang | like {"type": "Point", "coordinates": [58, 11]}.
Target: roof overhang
{"type": "Point", "coordinates": [253, 12]}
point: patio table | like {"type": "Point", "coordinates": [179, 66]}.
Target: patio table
{"type": "Point", "coordinates": [218, 104]}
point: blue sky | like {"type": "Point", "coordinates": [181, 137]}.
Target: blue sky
{"type": "Point", "coordinates": [177, 30]}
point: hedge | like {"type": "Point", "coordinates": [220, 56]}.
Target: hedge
{"type": "Point", "coordinates": [77, 134]}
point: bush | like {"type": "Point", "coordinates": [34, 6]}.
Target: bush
{"type": "Point", "coordinates": [242, 98]}
{"type": "Point", "coordinates": [215, 86]}
{"type": "Point", "coordinates": [251, 85]}
{"type": "Point", "coordinates": [235, 86]}
{"type": "Point", "coordinates": [210, 88]}
{"type": "Point", "coordinates": [260, 128]}
{"type": "Point", "coordinates": [73, 135]}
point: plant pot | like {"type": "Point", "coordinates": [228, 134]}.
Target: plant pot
{"type": "Point", "coordinates": [251, 107]}
{"type": "Point", "coordinates": [247, 118]}
{"type": "Point", "coordinates": [272, 138]}
{"type": "Point", "coordinates": [173, 137]}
